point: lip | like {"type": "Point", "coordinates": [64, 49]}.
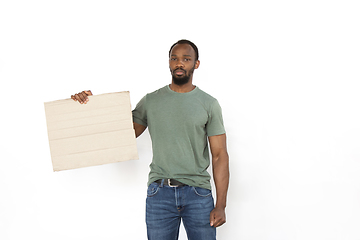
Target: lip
{"type": "Point", "coordinates": [179, 72]}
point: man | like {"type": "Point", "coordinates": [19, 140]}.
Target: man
{"type": "Point", "coordinates": [181, 118]}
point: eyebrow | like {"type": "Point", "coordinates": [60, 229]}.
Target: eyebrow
{"type": "Point", "coordinates": [183, 55]}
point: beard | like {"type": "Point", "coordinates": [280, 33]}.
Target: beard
{"type": "Point", "coordinates": [180, 80]}
{"type": "Point", "coordinates": [183, 79]}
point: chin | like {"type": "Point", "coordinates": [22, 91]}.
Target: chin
{"type": "Point", "coordinates": [181, 81]}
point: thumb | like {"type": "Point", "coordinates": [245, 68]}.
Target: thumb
{"type": "Point", "coordinates": [212, 218]}
{"type": "Point", "coordinates": [88, 92]}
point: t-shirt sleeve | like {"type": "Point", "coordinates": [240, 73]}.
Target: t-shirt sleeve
{"type": "Point", "coordinates": [215, 125]}
{"type": "Point", "coordinates": [139, 113]}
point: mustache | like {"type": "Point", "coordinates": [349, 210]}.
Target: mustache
{"type": "Point", "coordinates": [179, 69]}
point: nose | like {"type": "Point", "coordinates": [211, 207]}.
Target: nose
{"type": "Point", "coordinates": [179, 64]}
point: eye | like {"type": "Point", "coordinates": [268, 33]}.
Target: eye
{"type": "Point", "coordinates": [173, 59]}
{"type": "Point", "coordinates": [186, 59]}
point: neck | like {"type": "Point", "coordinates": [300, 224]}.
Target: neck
{"type": "Point", "coordinates": [188, 87]}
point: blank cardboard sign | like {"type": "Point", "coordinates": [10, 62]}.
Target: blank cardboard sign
{"type": "Point", "coordinates": [96, 133]}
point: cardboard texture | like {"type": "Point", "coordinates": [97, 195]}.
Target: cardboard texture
{"type": "Point", "coordinates": [96, 133]}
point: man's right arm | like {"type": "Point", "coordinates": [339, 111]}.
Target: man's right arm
{"type": "Point", "coordinates": [139, 129]}
{"type": "Point", "coordinates": [82, 97]}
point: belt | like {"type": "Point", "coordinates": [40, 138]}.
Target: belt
{"type": "Point", "coordinates": [171, 182]}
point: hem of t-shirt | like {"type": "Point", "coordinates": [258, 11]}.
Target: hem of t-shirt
{"type": "Point", "coordinates": [216, 134]}
{"type": "Point", "coordinates": [139, 121]}
{"type": "Point", "coordinates": [189, 183]}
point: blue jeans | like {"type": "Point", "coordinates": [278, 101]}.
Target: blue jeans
{"type": "Point", "coordinates": [166, 206]}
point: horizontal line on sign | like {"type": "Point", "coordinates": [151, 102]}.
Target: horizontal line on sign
{"type": "Point", "coordinates": [92, 124]}
{"type": "Point", "coordinates": [89, 114]}
{"type": "Point", "coordinates": [82, 108]}
{"type": "Point", "coordinates": [96, 150]}
{"type": "Point", "coordinates": [91, 134]}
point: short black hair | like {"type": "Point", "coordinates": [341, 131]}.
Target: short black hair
{"type": "Point", "coordinates": [184, 41]}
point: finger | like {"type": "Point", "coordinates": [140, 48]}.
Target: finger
{"type": "Point", "coordinates": [85, 94]}
{"type": "Point", "coordinates": [88, 92]}
{"type": "Point", "coordinates": [84, 97]}
{"type": "Point", "coordinates": [219, 221]}
{"type": "Point", "coordinates": [212, 219]}
{"type": "Point", "coordinates": [215, 220]}
{"type": "Point", "coordinates": [78, 97]}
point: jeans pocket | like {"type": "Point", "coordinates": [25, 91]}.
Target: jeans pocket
{"type": "Point", "coordinates": [153, 189]}
{"type": "Point", "coordinates": [202, 192]}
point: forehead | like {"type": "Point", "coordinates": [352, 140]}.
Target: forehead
{"type": "Point", "coordinates": [183, 49]}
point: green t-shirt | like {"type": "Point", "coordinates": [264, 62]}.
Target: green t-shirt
{"type": "Point", "coordinates": [179, 124]}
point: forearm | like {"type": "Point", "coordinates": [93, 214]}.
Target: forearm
{"type": "Point", "coordinates": [221, 178]}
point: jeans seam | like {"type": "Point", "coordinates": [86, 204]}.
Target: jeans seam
{"type": "Point", "coordinates": [157, 190]}
{"type": "Point", "coordinates": [200, 195]}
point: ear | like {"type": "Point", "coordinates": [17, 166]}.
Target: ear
{"type": "Point", "coordinates": [197, 64]}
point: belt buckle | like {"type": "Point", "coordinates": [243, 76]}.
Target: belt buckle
{"type": "Point", "coordinates": [169, 183]}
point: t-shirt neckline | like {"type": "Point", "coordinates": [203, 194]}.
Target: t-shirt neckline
{"type": "Point", "coordinates": [172, 91]}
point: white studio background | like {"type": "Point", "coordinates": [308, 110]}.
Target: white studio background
{"type": "Point", "coordinates": [285, 72]}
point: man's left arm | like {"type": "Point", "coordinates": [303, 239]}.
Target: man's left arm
{"type": "Point", "coordinates": [220, 165]}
